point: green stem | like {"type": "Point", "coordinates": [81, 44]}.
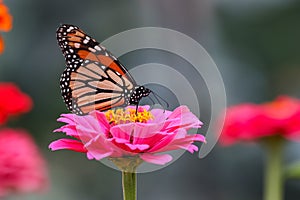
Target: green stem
{"type": "Point", "coordinates": [128, 166]}
{"type": "Point", "coordinates": [273, 171]}
{"type": "Point", "coordinates": [129, 185]}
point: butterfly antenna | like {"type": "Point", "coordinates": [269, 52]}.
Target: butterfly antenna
{"type": "Point", "coordinates": [158, 98]}
{"type": "Point", "coordinates": [152, 101]}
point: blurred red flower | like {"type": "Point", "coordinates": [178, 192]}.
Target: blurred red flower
{"type": "Point", "coordinates": [22, 168]}
{"type": "Point", "coordinates": [5, 22]}
{"type": "Point", "coordinates": [284, 113]}
{"type": "Point", "coordinates": [13, 101]}
{"type": "Point", "coordinates": [1, 45]}
{"type": "Point", "coordinates": [249, 122]}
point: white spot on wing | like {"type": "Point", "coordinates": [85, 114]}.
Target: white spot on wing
{"type": "Point", "coordinates": [85, 41]}
{"type": "Point", "coordinates": [77, 45]}
{"type": "Point", "coordinates": [92, 50]}
{"type": "Point", "coordinates": [97, 48]}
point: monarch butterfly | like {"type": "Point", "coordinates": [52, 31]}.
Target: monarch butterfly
{"type": "Point", "coordinates": [94, 79]}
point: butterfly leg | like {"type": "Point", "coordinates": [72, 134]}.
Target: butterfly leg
{"type": "Point", "coordinates": [136, 108]}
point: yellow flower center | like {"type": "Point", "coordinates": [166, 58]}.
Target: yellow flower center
{"type": "Point", "coordinates": [121, 116]}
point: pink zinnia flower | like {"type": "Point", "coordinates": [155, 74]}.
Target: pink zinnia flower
{"type": "Point", "coordinates": [22, 168]}
{"type": "Point", "coordinates": [13, 101]}
{"type": "Point", "coordinates": [149, 134]}
{"type": "Point", "coordinates": [250, 122]}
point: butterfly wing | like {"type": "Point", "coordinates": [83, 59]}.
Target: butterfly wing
{"type": "Point", "coordinates": [93, 78]}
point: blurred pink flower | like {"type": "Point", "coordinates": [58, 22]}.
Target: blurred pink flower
{"type": "Point", "coordinates": [13, 101]}
{"type": "Point", "coordinates": [22, 168]}
{"type": "Point", "coordinates": [148, 135]}
{"type": "Point", "coordinates": [248, 122]}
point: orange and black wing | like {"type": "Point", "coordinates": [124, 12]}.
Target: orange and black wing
{"type": "Point", "coordinates": [93, 79]}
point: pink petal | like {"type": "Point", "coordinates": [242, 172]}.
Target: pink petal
{"type": "Point", "coordinates": [199, 138]}
{"type": "Point", "coordinates": [69, 144]}
{"type": "Point", "coordinates": [184, 143]}
{"type": "Point", "coordinates": [87, 123]}
{"type": "Point", "coordinates": [156, 159]}
{"type": "Point", "coordinates": [177, 113]}
{"type": "Point", "coordinates": [140, 147]}
{"type": "Point", "coordinates": [182, 118]}
{"type": "Point", "coordinates": [187, 121]}
{"type": "Point", "coordinates": [88, 128]}
{"type": "Point", "coordinates": [159, 115]}
{"type": "Point", "coordinates": [164, 142]}
{"type": "Point", "coordinates": [140, 108]}
{"type": "Point", "coordinates": [66, 118]}
{"type": "Point", "coordinates": [120, 140]}
{"type": "Point", "coordinates": [98, 154]}
{"type": "Point", "coordinates": [70, 130]}
{"type": "Point", "coordinates": [99, 147]}
{"type": "Point", "coordinates": [192, 148]}
{"type": "Point", "coordinates": [178, 140]}
{"type": "Point", "coordinates": [137, 132]}
{"type": "Point", "coordinates": [142, 130]}
{"type": "Point", "coordinates": [122, 131]}
{"type": "Point", "coordinates": [90, 156]}
{"type": "Point", "coordinates": [189, 147]}
{"type": "Point", "coordinates": [102, 121]}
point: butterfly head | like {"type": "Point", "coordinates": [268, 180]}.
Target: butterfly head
{"type": "Point", "coordinates": [138, 93]}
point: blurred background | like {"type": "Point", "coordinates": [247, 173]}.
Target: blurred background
{"type": "Point", "coordinates": [255, 45]}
